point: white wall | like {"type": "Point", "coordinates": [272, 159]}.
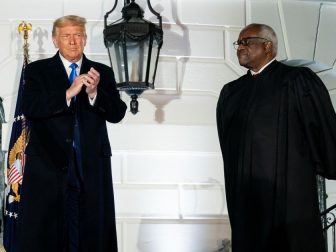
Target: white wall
{"type": "Point", "coordinates": [167, 167]}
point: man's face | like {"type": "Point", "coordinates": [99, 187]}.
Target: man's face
{"type": "Point", "coordinates": [70, 40]}
{"type": "Point", "coordinates": [254, 52]}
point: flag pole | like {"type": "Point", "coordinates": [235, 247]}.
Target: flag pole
{"type": "Point", "coordinates": [16, 155]}
{"type": "Point", "coordinates": [25, 28]}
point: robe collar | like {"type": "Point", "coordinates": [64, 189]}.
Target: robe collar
{"type": "Point", "coordinates": [261, 69]}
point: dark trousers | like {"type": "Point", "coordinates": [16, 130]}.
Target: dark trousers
{"type": "Point", "coordinates": [73, 193]}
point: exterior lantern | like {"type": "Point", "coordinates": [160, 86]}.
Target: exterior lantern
{"type": "Point", "coordinates": [133, 45]}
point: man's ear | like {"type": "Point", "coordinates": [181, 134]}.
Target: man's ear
{"type": "Point", "coordinates": [55, 42]}
{"type": "Point", "coordinates": [269, 47]}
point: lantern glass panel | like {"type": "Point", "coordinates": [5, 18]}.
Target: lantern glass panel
{"type": "Point", "coordinates": [115, 51]}
{"type": "Point", "coordinates": [155, 52]}
{"type": "Point", "coordinates": [137, 54]}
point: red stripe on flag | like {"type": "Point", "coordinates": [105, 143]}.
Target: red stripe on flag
{"type": "Point", "coordinates": [14, 176]}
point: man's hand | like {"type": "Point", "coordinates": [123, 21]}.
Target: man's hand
{"type": "Point", "coordinates": [75, 87]}
{"type": "Point", "coordinates": [91, 82]}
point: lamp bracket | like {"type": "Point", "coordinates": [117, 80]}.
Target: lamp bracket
{"type": "Point", "coordinates": [127, 2]}
{"type": "Point", "coordinates": [155, 13]}
{"type": "Point", "coordinates": [109, 12]}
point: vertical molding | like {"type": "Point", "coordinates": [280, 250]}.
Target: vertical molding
{"type": "Point", "coordinates": [178, 9]}
{"type": "Point", "coordinates": [177, 58]}
{"type": "Point", "coordinates": [123, 236]}
{"type": "Point", "coordinates": [226, 45]}
{"type": "Point", "coordinates": [179, 80]}
{"type": "Point", "coordinates": [248, 16]}
{"type": "Point", "coordinates": [284, 30]}
{"type": "Point", "coordinates": [123, 168]}
{"type": "Point", "coordinates": [180, 202]}
{"type": "Point", "coordinates": [317, 31]}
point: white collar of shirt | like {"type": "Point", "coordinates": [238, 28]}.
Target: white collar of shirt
{"type": "Point", "coordinates": [261, 69]}
{"type": "Point", "coordinates": [67, 64]}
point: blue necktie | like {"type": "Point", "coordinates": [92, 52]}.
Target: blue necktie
{"type": "Point", "coordinates": [73, 72]}
{"type": "Point", "coordinates": [76, 142]}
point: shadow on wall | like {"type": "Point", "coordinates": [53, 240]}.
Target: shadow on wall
{"type": "Point", "coordinates": [174, 44]}
{"type": "Point", "coordinates": [315, 66]}
{"type": "Point", "coordinates": [326, 72]}
{"type": "Point", "coordinates": [190, 231]}
{"type": "Point", "coordinates": [179, 236]}
{"type": "Point", "coordinates": [40, 35]}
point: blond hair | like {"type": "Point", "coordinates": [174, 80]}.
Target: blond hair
{"type": "Point", "coordinates": [68, 20]}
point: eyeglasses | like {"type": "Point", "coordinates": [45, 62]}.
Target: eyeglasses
{"type": "Point", "coordinates": [76, 36]}
{"type": "Point", "coordinates": [249, 41]}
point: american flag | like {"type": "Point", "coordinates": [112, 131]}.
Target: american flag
{"type": "Point", "coordinates": [15, 168]}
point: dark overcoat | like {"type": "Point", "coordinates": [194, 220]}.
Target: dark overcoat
{"type": "Point", "coordinates": [51, 121]}
{"type": "Point", "coordinates": [276, 131]}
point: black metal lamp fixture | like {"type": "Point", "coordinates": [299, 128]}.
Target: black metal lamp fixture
{"type": "Point", "coordinates": [133, 45]}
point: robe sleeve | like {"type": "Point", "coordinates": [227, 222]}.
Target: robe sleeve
{"type": "Point", "coordinates": [219, 117]}
{"type": "Point", "coordinates": [222, 134]}
{"type": "Point", "coordinates": [319, 121]}
{"type": "Point", "coordinates": [220, 112]}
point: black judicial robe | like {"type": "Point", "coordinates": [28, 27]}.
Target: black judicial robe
{"type": "Point", "coordinates": [276, 133]}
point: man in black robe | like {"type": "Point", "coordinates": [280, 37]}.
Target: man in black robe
{"type": "Point", "coordinates": [277, 130]}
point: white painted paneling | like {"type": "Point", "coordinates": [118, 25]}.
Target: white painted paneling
{"type": "Point", "coordinates": [119, 226]}
{"type": "Point", "coordinates": [207, 42]}
{"type": "Point", "coordinates": [170, 201]}
{"type": "Point", "coordinates": [216, 12]}
{"type": "Point", "coordinates": [186, 108]}
{"type": "Point", "coordinates": [325, 48]}
{"type": "Point", "coordinates": [331, 191]}
{"type": "Point", "coordinates": [5, 135]}
{"type": "Point", "coordinates": [193, 40]}
{"type": "Point", "coordinates": [11, 72]}
{"type": "Point", "coordinates": [206, 75]}
{"type": "Point", "coordinates": [203, 201]}
{"type": "Point", "coordinates": [267, 12]}
{"type": "Point", "coordinates": [328, 78]}
{"type": "Point", "coordinates": [91, 9]}
{"type": "Point", "coordinates": [300, 32]}
{"type": "Point", "coordinates": [40, 39]}
{"type": "Point", "coordinates": [117, 167]}
{"type": "Point", "coordinates": [95, 42]}
{"type": "Point", "coordinates": [5, 48]}
{"type": "Point", "coordinates": [173, 167]}
{"type": "Point", "coordinates": [32, 9]}
{"type": "Point", "coordinates": [333, 100]}
{"type": "Point", "coordinates": [192, 138]}
{"type": "Point", "coordinates": [166, 74]}
{"type": "Point", "coordinates": [166, 8]}
{"type": "Point", "coordinates": [175, 236]}
{"type": "Point", "coordinates": [136, 201]}
{"type": "Point", "coordinates": [176, 40]}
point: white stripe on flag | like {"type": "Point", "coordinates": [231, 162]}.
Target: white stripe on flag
{"type": "Point", "coordinates": [14, 176]}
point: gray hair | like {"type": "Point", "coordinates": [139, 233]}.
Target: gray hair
{"type": "Point", "coordinates": [267, 32]}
